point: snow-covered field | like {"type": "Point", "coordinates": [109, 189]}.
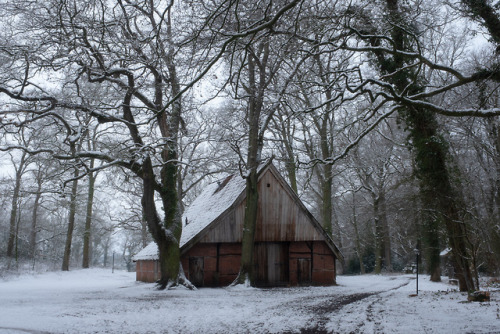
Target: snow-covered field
{"type": "Point", "coordinates": [98, 301]}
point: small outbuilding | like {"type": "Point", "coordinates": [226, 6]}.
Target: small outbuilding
{"type": "Point", "coordinates": [291, 247]}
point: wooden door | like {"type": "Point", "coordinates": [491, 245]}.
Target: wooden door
{"type": "Point", "coordinates": [277, 263]}
{"type": "Point", "coordinates": [304, 271]}
{"type": "Point", "coordinates": [196, 265]}
{"type": "Point", "coordinates": [260, 264]}
{"type": "Point", "coordinates": [271, 264]}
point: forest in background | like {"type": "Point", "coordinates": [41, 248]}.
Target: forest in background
{"type": "Point", "coordinates": [383, 117]}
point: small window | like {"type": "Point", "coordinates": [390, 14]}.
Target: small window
{"type": "Point", "coordinates": [269, 185]}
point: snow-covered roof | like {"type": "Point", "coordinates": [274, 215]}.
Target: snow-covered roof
{"type": "Point", "coordinates": [214, 200]}
{"type": "Point", "coordinates": [150, 252]}
{"type": "Point", "coordinates": [210, 204]}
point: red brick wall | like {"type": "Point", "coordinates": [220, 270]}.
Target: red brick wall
{"type": "Point", "coordinates": [209, 254]}
{"type": "Point", "coordinates": [147, 271]}
{"type": "Point", "coordinates": [229, 263]}
{"type": "Point", "coordinates": [323, 272]}
{"type": "Point", "coordinates": [228, 266]}
{"type": "Point", "coordinates": [322, 262]}
{"type": "Point", "coordinates": [225, 271]}
{"type": "Point", "coordinates": [297, 250]}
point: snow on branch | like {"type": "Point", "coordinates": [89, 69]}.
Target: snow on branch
{"type": "Point", "coordinates": [355, 142]}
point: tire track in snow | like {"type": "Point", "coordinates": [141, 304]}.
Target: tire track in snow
{"type": "Point", "coordinates": [374, 318]}
{"type": "Point", "coordinates": [331, 305]}
{"type": "Point", "coordinates": [335, 303]}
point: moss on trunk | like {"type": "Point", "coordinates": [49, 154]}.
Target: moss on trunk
{"type": "Point", "coordinates": [246, 273]}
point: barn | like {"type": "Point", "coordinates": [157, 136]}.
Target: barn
{"type": "Point", "coordinates": [291, 247]}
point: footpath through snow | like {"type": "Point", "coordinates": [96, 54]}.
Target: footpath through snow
{"type": "Point", "coordinates": [97, 301]}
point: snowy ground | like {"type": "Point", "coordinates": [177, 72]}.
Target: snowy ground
{"type": "Point", "coordinates": [97, 301]}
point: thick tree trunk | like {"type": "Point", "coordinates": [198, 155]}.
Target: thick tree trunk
{"type": "Point", "coordinates": [338, 234]}
{"type": "Point", "coordinates": [291, 171]}
{"type": "Point", "coordinates": [494, 235]}
{"type": "Point", "coordinates": [167, 234]}
{"type": "Point", "coordinates": [432, 245]}
{"type": "Point", "coordinates": [326, 147]}
{"type": "Point", "coordinates": [144, 232]}
{"type": "Point", "coordinates": [252, 201]}
{"type": "Point", "coordinates": [71, 222]}
{"type": "Point", "coordinates": [170, 262]}
{"type": "Point", "coordinates": [245, 275]}
{"type": "Point", "coordinates": [285, 128]}
{"type": "Point", "coordinates": [326, 194]}
{"type": "Point", "coordinates": [439, 201]}
{"type": "Point", "coordinates": [88, 219]}
{"type": "Point", "coordinates": [255, 144]}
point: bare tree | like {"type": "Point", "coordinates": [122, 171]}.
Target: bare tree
{"type": "Point", "coordinates": [140, 56]}
{"type": "Point", "coordinates": [19, 171]}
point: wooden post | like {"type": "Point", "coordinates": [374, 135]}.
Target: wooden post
{"type": "Point", "coordinates": [417, 252]}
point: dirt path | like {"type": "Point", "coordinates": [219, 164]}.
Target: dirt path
{"type": "Point", "coordinates": [323, 311]}
{"type": "Point", "coordinates": [325, 308]}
